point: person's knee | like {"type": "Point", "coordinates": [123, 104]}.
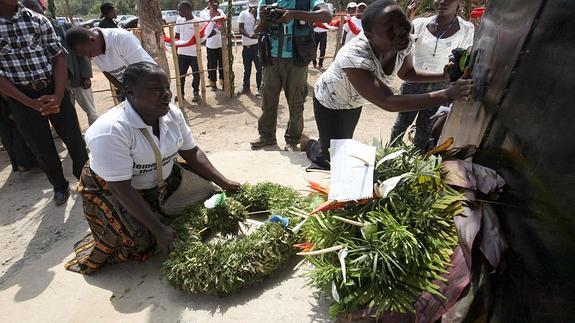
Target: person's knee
{"type": "Point", "coordinates": [296, 98]}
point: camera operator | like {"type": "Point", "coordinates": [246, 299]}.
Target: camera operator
{"type": "Point", "coordinates": [287, 47]}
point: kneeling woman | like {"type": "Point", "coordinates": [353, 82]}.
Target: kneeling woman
{"type": "Point", "coordinates": [362, 73]}
{"type": "Point", "coordinates": [119, 187]}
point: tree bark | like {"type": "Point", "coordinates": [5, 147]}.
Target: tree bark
{"type": "Point", "coordinates": [152, 31]}
{"type": "Point", "coordinates": [52, 9]}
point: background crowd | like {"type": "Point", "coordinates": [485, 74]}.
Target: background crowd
{"type": "Point", "coordinates": [132, 168]}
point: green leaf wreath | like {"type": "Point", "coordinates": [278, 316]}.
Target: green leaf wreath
{"type": "Point", "coordinates": [391, 248]}
{"type": "Point", "coordinates": [224, 266]}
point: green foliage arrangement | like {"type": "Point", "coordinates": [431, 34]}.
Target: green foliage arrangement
{"type": "Point", "coordinates": [395, 246]}
{"type": "Point", "coordinates": [226, 266]}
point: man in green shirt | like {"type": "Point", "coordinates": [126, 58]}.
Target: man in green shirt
{"type": "Point", "coordinates": [281, 72]}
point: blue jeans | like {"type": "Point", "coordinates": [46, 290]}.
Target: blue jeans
{"type": "Point", "coordinates": [249, 56]}
{"type": "Point", "coordinates": [423, 139]}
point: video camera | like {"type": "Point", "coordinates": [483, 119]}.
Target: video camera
{"type": "Point", "coordinates": [273, 12]}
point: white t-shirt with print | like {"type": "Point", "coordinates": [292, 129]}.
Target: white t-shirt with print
{"type": "Point", "coordinates": [122, 49]}
{"type": "Point", "coordinates": [119, 151]}
{"type": "Point", "coordinates": [424, 45]}
{"type": "Point", "coordinates": [334, 90]}
{"type": "Point", "coordinates": [186, 31]}
{"type": "Point", "coordinates": [249, 22]}
{"type": "Point", "coordinates": [350, 35]}
{"type": "Point", "coordinates": [215, 41]}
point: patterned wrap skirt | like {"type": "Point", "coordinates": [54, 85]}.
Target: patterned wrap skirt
{"type": "Point", "coordinates": [115, 235]}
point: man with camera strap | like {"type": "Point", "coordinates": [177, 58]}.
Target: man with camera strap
{"type": "Point", "coordinates": [287, 47]}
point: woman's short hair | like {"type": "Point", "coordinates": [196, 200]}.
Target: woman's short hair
{"type": "Point", "coordinates": [373, 11]}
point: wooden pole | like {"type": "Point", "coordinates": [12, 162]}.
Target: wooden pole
{"type": "Point", "coordinates": [200, 60]}
{"type": "Point", "coordinates": [338, 35]}
{"type": "Point", "coordinates": [226, 66]}
{"type": "Point", "coordinates": [467, 10]}
{"type": "Point", "coordinates": [113, 90]}
{"type": "Point", "coordinates": [180, 101]}
{"type": "Point", "coordinates": [227, 54]}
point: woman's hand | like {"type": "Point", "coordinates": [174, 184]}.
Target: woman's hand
{"type": "Point", "coordinates": [412, 9]}
{"type": "Point", "coordinates": [461, 90]}
{"type": "Point", "coordinates": [230, 185]}
{"type": "Point", "coordinates": [165, 237]}
{"type": "Point", "coordinates": [447, 68]}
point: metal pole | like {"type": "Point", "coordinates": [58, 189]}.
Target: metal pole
{"type": "Point", "coordinates": [176, 67]}
{"type": "Point", "coordinates": [200, 60]}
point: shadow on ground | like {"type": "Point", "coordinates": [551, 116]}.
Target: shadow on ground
{"type": "Point", "coordinates": [168, 304]}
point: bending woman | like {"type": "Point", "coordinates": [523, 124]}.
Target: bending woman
{"type": "Point", "coordinates": [362, 73]}
{"type": "Point", "coordinates": [118, 185]}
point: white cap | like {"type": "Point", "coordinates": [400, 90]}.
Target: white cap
{"type": "Point", "coordinates": [254, 3]}
{"type": "Point", "coordinates": [361, 4]}
{"type": "Point", "coordinates": [351, 5]}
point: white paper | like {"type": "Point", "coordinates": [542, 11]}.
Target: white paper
{"type": "Point", "coordinates": [352, 166]}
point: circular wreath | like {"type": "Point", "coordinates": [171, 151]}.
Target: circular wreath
{"type": "Point", "coordinates": [223, 266]}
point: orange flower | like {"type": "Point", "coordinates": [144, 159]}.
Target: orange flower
{"type": "Point", "coordinates": [306, 246]}
{"type": "Point", "coordinates": [317, 187]}
{"type": "Point", "coordinates": [328, 205]}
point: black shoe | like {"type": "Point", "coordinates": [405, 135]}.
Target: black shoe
{"type": "Point", "coordinates": [60, 197]}
{"type": "Point", "coordinates": [262, 142]}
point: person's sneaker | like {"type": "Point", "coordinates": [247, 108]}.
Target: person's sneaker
{"type": "Point", "coordinates": [262, 142]}
{"type": "Point", "coordinates": [60, 197]}
{"type": "Point", "coordinates": [258, 94]}
{"type": "Point", "coordinates": [291, 147]}
{"type": "Point", "coordinates": [196, 97]}
{"type": "Point", "coordinates": [213, 85]}
{"type": "Point", "coordinates": [222, 84]}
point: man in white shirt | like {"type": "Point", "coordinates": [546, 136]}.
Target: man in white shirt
{"type": "Point", "coordinates": [214, 44]}
{"type": "Point", "coordinates": [247, 21]}
{"type": "Point", "coordinates": [354, 11]}
{"type": "Point", "coordinates": [187, 56]}
{"type": "Point", "coordinates": [111, 49]}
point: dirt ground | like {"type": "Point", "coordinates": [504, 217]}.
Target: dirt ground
{"type": "Point", "coordinates": [37, 237]}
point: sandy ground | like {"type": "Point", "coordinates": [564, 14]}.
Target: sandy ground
{"type": "Point", "coordinates": [38, 237]}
